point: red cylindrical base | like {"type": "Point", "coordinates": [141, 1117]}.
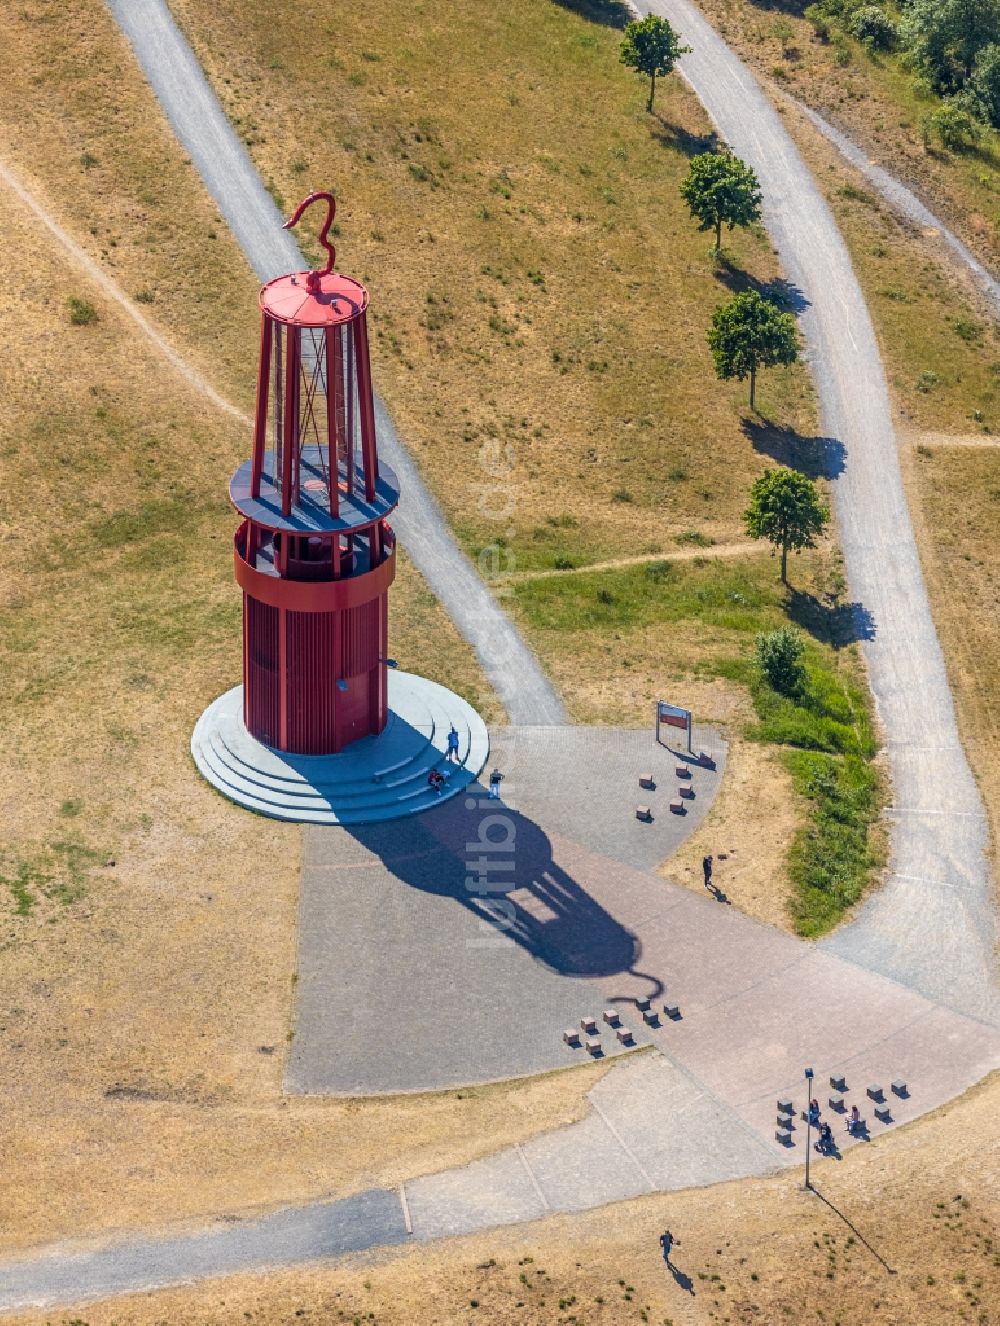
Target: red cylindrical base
{"type": "Point", "coordinates": [314, 674]}
{"type": "Point", "coordinates": [314, 681]}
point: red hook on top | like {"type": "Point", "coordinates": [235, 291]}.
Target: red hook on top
{"type": "Point", "coordinates": [331, 208]}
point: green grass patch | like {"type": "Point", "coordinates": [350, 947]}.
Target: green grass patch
{"type": "Point", "coordinates": [739, 598]}
{"type": "Point", "coordinates": [832, 858]}
{"type": "Point", "coordinates": [831, 714]}
{"type": "Point", "coordinates": [56, 871]}
{"type": "Point", "coordinates": [713, 609]}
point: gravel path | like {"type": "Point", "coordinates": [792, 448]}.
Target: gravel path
{"type": "Point", "coordinates": [932, 925]}
{"type": "Point", "coordinates": [201, 126]}
{"type": "Point", "coordinates": [903, 201]}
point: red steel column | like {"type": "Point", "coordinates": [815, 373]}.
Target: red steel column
{"type": "Point", "coordinates": [368, 455]}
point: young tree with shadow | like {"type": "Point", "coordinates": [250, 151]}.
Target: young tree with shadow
{"type": "Point", "coordinates": [650, 46]}
{"type": "Point", "coordinates": [720, 188]}
{"type": "Point", "coordinates": [785, 509]}
{"type": "Point", "coordinates": [748, 333]}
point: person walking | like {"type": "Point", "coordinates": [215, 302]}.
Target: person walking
{"type": "Point", "coordinates": [667, 1242]}
{"type": "Point", "coordinates": [496, 778]}
{"type": "Point", "coordinates": [706, 866]}
{"type": "Point", "coordinates": [452, 752]}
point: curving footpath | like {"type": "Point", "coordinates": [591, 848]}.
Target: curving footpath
{"type": "Point", "coordinates": [907, 989]}
{"type": "Point", "coordinates": [932, 925]}
{"type": "Point", "coordinates": [200, 124]}
{"type": "Point", "coordinates": [906, 204]}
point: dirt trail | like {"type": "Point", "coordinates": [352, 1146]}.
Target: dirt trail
{"type": "Point", "coordinates": [681, 555]}
{"type": "Point", "coordinates": [113, 291]}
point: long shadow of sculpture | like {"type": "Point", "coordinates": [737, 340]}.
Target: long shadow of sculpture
{"type": "Point", "coordinates": [499, 864]}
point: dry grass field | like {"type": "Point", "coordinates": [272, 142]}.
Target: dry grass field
{"type": "Point", "coordinates": [147, 927]}
{"type": "Point", "coordinates": [541, 296]}
{"type": "Point", "coordinates": [908, 1235]}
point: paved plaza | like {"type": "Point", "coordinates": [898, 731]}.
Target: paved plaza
{"type": "Point", "coordinates": [457, 947]}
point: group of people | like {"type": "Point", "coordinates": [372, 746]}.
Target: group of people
{"type": "Point", "coordinates": [437, 778]}
{"type": "Point", "coordinates": [824, 1142]}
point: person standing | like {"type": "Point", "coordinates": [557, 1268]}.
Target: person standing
{"type": "Point", "coordinates": [496, 778]}
{"type": "Point", "coordinates": [452, 753]}
{"type": "Point", "coordinates": [706, 866]}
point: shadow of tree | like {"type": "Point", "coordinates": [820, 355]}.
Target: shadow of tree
{"type": "Point", "coordinates": [675, 136]}
{"type": "Point", "coordinates": [609, 13]}
{"type": "Point", "coordinates": [815, 457]}
{"type": "Point", "coordinates": [828, 620]}
{"type": "Point", "coordinates": [784, 293]}
{"type": "Point", "coordinates": [781, 6]}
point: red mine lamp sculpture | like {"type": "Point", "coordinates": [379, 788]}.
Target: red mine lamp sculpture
{"type": "Point", "coordinates": [314, 555]}
{"type": "Point", "coordinates": [319, 732]}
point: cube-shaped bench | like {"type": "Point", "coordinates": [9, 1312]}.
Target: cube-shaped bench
{"type": "Point", "coordinates": [644, 813]}
{"type": "Point", "coordinates": [572, 1037]}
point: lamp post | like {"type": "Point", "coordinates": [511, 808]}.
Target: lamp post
{"type": "Point", "coordinates": [809, 1078]}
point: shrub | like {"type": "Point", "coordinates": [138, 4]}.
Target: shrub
{"type": "Point", "coordinates": [81, 314]}
{"type": "Point", "coordinates": [954, 127]}
{"type": "Point", "coordinates": [779, 657]}
{"type": "Point", "coordinates": [820, 23]}
{"type": "Point", "coordinates": [873, 26]}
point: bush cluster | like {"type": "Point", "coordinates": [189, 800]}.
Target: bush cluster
{"type": "Point", "coordinates": [953, 45]}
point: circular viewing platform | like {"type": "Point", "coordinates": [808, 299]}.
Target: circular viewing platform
{"type": "Point", "coordinates": [311, 513]}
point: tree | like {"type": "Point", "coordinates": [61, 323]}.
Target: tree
{"type": "Point", "coordinates": [748, 333]}
{"type": "Point", "coordinates": [786, 510]}
{"type": "Point", "coordinates": [945, 36]}
{"type": "Point", "coordinates": [718, 188]}
{"type": "Point", "coordinates": [650, 46]}
{"type": "Point", "coordinates": [779, 658]}
{"type": "Point", "coordinates": [982, 92]}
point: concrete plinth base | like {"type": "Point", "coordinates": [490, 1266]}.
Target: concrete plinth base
{"type": "Point", "coordinates": [376, 778]}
